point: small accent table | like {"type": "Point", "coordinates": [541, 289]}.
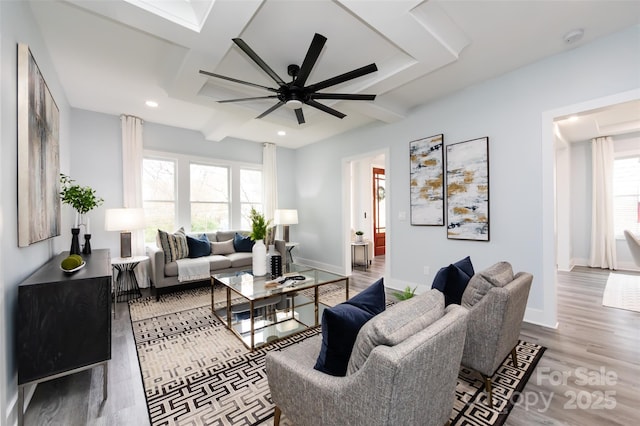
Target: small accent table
{"type": "Point", "coordinates": [365, 254]}
{"type": "Point", "coordinates": [126, 284]}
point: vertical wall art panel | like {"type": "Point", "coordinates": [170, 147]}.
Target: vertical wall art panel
{"type": "Point", "coordinates": [427, 181]}
{"type": "Point", "coordinates": [468, 190]}
{"type": "Point", "coordinates": [38, 154]}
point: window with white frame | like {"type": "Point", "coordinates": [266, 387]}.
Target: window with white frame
{"type": "Point", "coordinates": [198, 194]}
{"type": "Point", "coordinates": [209, 199]}
{"type": "Point", "coordinates": [626, 195]}
{"type": "Point", "coordinates": [158, 195]}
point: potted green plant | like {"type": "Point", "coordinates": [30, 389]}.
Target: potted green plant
{"type": "Point", "coordinates": [408, 293]}
{"type": "Point", "coordinates": [83, 199]}
{"type": "Point", "coordinates": [359, 235]}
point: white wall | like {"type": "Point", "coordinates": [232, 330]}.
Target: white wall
{"type": "Point", "coordinates": [18, 26]}
{"type": "Point", "coordinates": [509, 110]}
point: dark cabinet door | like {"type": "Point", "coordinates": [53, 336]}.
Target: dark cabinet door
{"type": "Point", "coordinates": [64, 323]}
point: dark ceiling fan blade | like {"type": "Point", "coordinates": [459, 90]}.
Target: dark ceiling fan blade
{"type": "Point", "coordinates": [368, 69]}
{"type": "Point", "coordinates": [270, 110]}
{"type": "Point", "coordinates": [247, 99]}
{"type": "Point", "coordinates": [210, 74]}
{"type": "Point", "coordinates": [343, 96]}
{"type": "Point", "coordinates": [310, 60]}
{"type": "Point", "coordinates": [300, 116]}
{"type": "Point", "coordinates": [325, 108]}
{"type": "Point", "coordinates": [262, 64]}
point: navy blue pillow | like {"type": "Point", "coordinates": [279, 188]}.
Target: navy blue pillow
{"type": "Point", "coordinates": [465, 265]}
{"type": "Point", "coordinates": [457, 281]}
{"type": "Point", "coordinates": [198, 247]}
{"type": "Point", "coordinates": [242, 243]}
{"type": "Point", "coordinates": [341, 324]}
{"type": "Point", "coordinates": [440, 280]}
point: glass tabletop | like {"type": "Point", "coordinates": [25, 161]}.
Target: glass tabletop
{"type": "Point", "coordinates": [254, 288]}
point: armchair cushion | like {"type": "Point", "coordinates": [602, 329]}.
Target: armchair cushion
{"type": "Point", "coordinates": [341, 324]}
{"type": "Point", "coordinates": [242, 243]}
{"type": "Point", "coordinates": [500, 274]}
{"type": "Point", "coordinates": [198, 247]}
{"type": "Point", "coordinates": [452, 280]}
{"type": "Point", "coordinates": [394, 325]}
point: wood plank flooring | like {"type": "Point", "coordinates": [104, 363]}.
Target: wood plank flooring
{"type": "Point", "coordinates": [597, 339]}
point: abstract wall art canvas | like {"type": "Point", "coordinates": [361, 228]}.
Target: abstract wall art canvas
{"type": "Point", "coordinates": [427, 181]}
{"type": "Point", "coordinates": [38, 154]}
{"type": "Point", "coordinates": [468, 190]}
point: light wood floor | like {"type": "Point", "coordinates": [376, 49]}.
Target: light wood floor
{"type": "Point", "coordinates": [589, 336]}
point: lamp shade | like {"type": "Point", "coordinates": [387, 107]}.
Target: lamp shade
{"type": "Point", "coordinates": [124, 219]}
{"type": "Point", "coordinates": [286, 217]}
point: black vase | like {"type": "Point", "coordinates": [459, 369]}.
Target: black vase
{"type": "Point", "coordinates": [75, 241]}
{"type": "Point", "coordinates": [87, 244]}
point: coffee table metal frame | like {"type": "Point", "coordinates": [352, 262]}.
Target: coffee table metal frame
{"type": "Point", "coordinates": [239, 282]}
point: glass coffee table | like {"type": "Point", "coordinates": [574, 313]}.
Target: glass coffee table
{"type": "Point", "coordinates": [260, 312]}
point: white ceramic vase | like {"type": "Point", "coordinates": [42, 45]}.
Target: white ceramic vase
{"type": "Point", "coordinates": [259, 258]}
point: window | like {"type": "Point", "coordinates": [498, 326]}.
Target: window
{"type": "Point", "coordinates": [250, 194]}
{"type": "Point", "coordinates": [209, 189]}
{"type": "Point", "coordinates": [158, 195]}
{"type": "Point", "coordinates": [626, 195]}
{"type": "Point", "coordinates": [199, 194]}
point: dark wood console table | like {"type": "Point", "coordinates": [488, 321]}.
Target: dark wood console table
{"type": "Point", "coordinates": [64, 322]}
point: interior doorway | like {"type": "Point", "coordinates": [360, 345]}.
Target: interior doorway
{"type": "Point", "coordinates": [366, 207]}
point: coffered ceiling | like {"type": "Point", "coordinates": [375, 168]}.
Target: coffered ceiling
{"type": "Point", "coordinates": [111, 56]}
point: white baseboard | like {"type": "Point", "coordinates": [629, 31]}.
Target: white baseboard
{"type": "Point", "coordinates": [538, 317]}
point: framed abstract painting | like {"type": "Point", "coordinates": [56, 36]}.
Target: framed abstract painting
{"type": "Point", "coordinates": [427, 181]}
{"type": "Point", "coordinates": [468, 190]}
{"type": "Point", "coordinates": [38, 154]}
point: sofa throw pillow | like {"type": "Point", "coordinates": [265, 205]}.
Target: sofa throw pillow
{"type": "Point", "coordinates": [466, 265]}
{"type": "Point", "coordinates": [173, 245]}
{"type": "Point", "coordinates": [242, 243]}
{"type": "Point", "coordinates": [394, 325]}
{"type": "Point", "coordinates": [440, 280]}
{"type": "Point", "coordinates": [198, 247]}
{"type": "Point", "coordinates": [341, 324]}
{"type": "Point", "coordinates": [225, 247]}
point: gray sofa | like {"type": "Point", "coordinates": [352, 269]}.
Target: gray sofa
{"type": "Point", "coordinates": [402, 371]}
{"type": "Point", "coordinates": [165, 275]}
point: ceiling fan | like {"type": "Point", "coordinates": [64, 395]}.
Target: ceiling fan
{"type": "Point", "coordinates": [294, 94]}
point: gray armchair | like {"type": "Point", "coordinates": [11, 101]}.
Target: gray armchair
{"type": "Point", "coordinates": [496, 300]}
{"type": "Point", "coordinates": [411, 382]}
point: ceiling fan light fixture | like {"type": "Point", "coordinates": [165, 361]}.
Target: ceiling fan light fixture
{"type": "Point", "coordinates": [293, 104]}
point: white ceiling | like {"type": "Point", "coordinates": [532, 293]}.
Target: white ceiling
{"type": "Point", "coordinates": [111, 56]}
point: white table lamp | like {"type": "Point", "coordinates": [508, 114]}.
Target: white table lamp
{"type": "Point", "coordinates": [286, 217]}
{"type": "Point", "coordinates": [125, 221]}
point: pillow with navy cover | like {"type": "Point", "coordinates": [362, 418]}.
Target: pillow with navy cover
{"type": "Point", "coordinates": [341, 324]}
{"type": "Point", "coordinates": [452, 280]}
{"type": "Point", "coordinates": [242, 243]}
{"type": "Point", "coordinates": [198, 247]}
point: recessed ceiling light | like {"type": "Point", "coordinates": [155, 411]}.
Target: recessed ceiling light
{"type": "Point", "coordinates": [151, 104]}
{"type": "Point", "coordinates": [282, 133]}
{"type": "Point", "coordinates": [573, 36]}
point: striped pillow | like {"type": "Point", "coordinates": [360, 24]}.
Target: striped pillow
{"type": "Point", "coordinates": [174, 245]}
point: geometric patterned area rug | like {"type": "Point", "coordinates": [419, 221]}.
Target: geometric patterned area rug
{"type": "Point", "coordinates": [196, 372]}
{"type": "Point", "coordinates": [622, 291]}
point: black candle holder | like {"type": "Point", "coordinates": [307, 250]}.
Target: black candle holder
{"type": "Point", "coordinates": [87, 244]}
{"type": "Point", "coordinates": [75, 241]}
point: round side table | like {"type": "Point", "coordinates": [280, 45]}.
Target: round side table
{"type": "Point", "coordinates": [126, 286]}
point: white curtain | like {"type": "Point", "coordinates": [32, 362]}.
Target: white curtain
{"type": "Point", "coordinates": [132, 183]}
{"type": "Point", "coordinates": [603, 241]}
{"type": "Point", "coordinates": [269, 181]}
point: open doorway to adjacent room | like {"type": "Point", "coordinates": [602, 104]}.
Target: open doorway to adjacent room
{"type": "Point", "coordinates": [367, 188]}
